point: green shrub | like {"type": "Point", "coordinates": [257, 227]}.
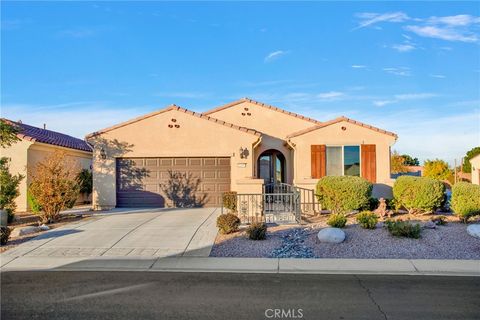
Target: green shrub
{"type": "Point", "coordinates": [439, 220]}
{"type": "Point", "coordinates": [399, 228]}
{"type": "Point", "coordinates": [367, 219]}
{"type": "Point", "coordinates": [9, 188]}
{"type": "Point", "coordinates": [418, 194]}
{"type": "Point", "coordinates": [5, 234]}
{"type": "Point", "coordinates": [85, 181]}
{"type": "Point", "coordinates": [465, 200]}
{"type": "Point", "coordinates": [372, 204]}
{"type": "Point", "coordinates": [257, 231]}
{"type": "Point", "coordinates": [230, 201]}
{"type": "Point", "coordinates": [343, 194]}
{"type": "Point", "coordinates": [228, 223]}
{"type": "Point", "coordinates": [33, 204]}
{"type": "Point", "coordinates": [337, 220]}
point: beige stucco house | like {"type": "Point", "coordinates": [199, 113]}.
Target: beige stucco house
{"type": "Point", "coordinates": [475, 162]}
{"type": "Point", "coordinates": [35, 144]}
{"type": "Point", "coordinates": [236, 147]}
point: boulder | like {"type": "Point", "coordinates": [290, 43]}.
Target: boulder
{"type": "Point", "coordinates": [429, 225]}
{"type": "Point", "coordinates": [21, 231]}
{"type": "Point", "coordinates": [474, 230]}
{"type": "Point", "coordinates": [331, 235]}
{"type": "Point", "coordinates": [44, 227]}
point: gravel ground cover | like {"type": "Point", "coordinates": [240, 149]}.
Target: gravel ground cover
{"type": "Point", "coordinates": [445, 242]}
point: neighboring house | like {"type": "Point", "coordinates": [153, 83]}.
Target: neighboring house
{"type": "Point", "coordinates": [34, 146]}
{"type": "Point", "coordinates": [475, 162]}
{"type": "Point", "coordinates": [237, 147]}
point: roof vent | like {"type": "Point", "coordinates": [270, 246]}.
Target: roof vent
{"type": "Point", "coordinates": [44, 126]}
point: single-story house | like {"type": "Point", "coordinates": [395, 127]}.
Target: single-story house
{"type": "Point", "coordinates": [475, 162]}
{"type": "Point", "coordinates": [236, 147]}
{"type": "Point", "coordinates": [35, 145]}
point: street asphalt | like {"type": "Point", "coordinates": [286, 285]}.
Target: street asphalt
{"type": "Point", "coordinates": [164, 295]}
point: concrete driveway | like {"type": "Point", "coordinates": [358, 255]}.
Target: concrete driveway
{"type": "Point", "coordinates": [128, 233]}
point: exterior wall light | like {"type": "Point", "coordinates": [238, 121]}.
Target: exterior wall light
{"type": "Point", "coordinates": [103, 154]}
{"type": "Point", "coordinates": [243, 153]}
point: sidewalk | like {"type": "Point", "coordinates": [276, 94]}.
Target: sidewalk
{"type": "Point", "coordinates": [248, 265]}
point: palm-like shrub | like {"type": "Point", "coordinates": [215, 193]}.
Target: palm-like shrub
{"type": "Point", "coordinates": [257, 231]}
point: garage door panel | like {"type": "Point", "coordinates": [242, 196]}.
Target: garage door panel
{"type": "Point", "coordinates": [143, 181]}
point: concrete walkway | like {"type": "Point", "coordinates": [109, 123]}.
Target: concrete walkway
{"type": "Point", "coordinates": [124, 233]}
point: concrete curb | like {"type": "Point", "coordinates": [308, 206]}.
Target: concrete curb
{"type": "Point", "coordinates": [249, 265]}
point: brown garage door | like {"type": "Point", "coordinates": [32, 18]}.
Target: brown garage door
{"type": "Point", "coordinates": [172, 182]}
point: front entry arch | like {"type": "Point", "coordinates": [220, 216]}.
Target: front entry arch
{"type": "Point", "coordinates": [271, 166]}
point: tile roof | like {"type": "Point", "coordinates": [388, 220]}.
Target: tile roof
{"type": "Point", "coordinates": [32, 133]}
{"type": "Point", "coordinates": [175, 107]}
{"type": "Point", "coordinates": [234, 103]}
{"type": "Point", "coordinates": [340, 119]}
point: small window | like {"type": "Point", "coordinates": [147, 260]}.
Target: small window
{"type": "Point", "coordinates": [343, 161]}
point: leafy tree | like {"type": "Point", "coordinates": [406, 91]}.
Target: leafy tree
{"type": "Point", "coordinates": [54, 185]}
{"type": "Point", "coordinates": [437, 169]}
{"type": "Point", "coordinates": [467, 167]}
{"type": "Point", "coordinates": [8, 188]}
{"type": "Point", "coordinates": [409, 161]}
{"type": "Point", "coordinates": [8, 134]}
{"type": "Point", "coordinates": [397, 163]}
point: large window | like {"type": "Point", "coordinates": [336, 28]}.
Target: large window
{"type": "Point", "coordinates": [343, 160]}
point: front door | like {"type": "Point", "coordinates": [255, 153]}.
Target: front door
{"type": "Point", "coordinates": [271, 166]}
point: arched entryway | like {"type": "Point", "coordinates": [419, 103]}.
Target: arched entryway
{"type": "Point", "coordinates": [271, 166]}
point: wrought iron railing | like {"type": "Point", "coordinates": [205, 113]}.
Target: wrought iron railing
{"type": "Point", "coordinates": [308, 201]}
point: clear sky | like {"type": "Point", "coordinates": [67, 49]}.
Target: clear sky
{"type": "Point", "coordinates": [412, 68]}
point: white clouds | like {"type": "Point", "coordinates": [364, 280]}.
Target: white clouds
{"type": "Point", "coordinates": [381, 103]}
{"type": "Point", "coordinates": [330, 95]}
{"type": "Point", "coordinates": [398, 71]}
{"type": "Point", "coordinates": [414, 96]}
{"type": "Point", "coordinates": [78, 33]}
{"type": "Point", "coordinates": [458, 20]}
{"type": "Point", "coordinates": [444, 33]}
{"type": "Point", "coordinates": [403, 97]}
{"type": "Point", "coordinates": [358, 66]}
{"type": "Point", "coordinates": [403, 47]}
{"type": "Point", "coordinates": [369, 19]}
{"type": "Point", "coordinates": [439, 76]}
{"type": "Point", "coordinates": [275, 55]}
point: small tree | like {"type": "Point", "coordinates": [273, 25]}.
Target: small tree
{"type": "Point", "coordinates": [8, 188]}
{"type": "Point", "coordinates": [54, 185]}
{"type": "Point", "coordinates": [437, 169]}
{"type": "Point", "coordinates": [85, 182]}
{"type": "Point", "coordinates": [397, 163]}
{"type": "Point", "coordinates": [467, 167]}
{"type": "Point", "coordinates": [8, 134]}
{"type": "Point", "coordinates": [409, 161]}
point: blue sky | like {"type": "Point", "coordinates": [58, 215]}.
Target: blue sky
{"type": "Point", "coordinates": [411, 68]}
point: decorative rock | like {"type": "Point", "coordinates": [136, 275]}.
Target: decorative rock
{"type": "Point", "coordinates": [293, 245]}
{"type": "Point", "coordinates": [44, 227]}
{"type": "Point", "coordinates": [21, 231]}
{"type": "Point", "coordinates": [474, 230]}
{"type": "Point", "coordinates": [331, 235]}
{"type": "Point", "coordinates": [429, 225]}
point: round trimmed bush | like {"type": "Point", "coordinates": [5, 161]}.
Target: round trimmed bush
{"type": "Point", "coordinates": [337, 220]}
{"type": "Point", "coordinates": [418, 194]}
{"type": "Point", "coordinates": [228, 223]}
{"type": "Point", "coordinates": [465, 200]}
{"type": "Point", "coordinates": [367, 219]}
{"type": "Point", "coordinates": [343, 194]}
{"type": "Point", "coordinates": [257, 231]}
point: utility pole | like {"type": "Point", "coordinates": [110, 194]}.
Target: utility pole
{"type": "Point", "coordinates": [455, 169]}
